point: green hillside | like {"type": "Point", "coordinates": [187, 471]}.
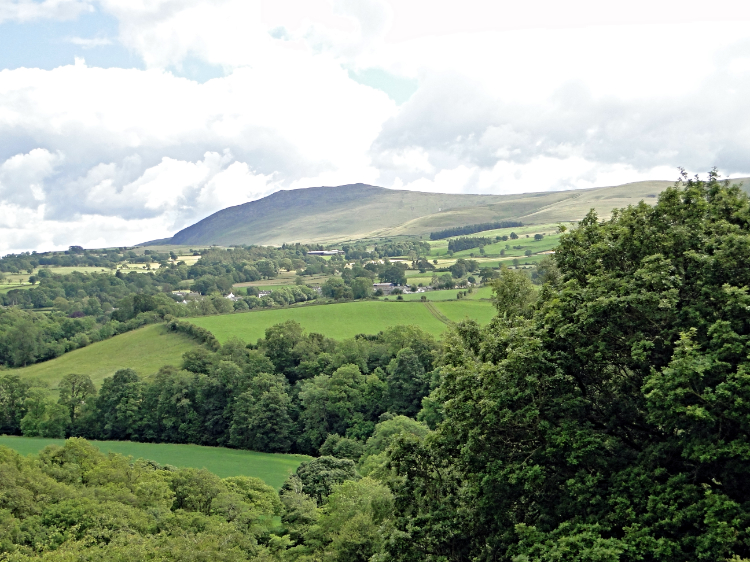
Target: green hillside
{"type": "Point", "coordinates": [331, 214]}
{"type": "Point", "coordinates": [269, 467]}
{"type": "Point", "coordinates": [346, 320]}
{"type": "Point", "coordinates": [145, 350]}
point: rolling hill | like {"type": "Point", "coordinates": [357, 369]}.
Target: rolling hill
{"type": "Point", "coordinates": [145, 350]}
{"type": "Point", "coordinates": [332, 214]}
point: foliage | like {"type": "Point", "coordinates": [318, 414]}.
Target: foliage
{"type": "Point", "coordinates": [610, 425]}
{"type": "Point", "coordinates": [75, 390]}
{"type": "Point", "coordinates": [200, 334]}
{"type": "Point", "coordinates": [467, 243]}
{"type": "Point", "coordinates": [262, 416]}
{"type": "Point", "coordinates": [317, 477]}
{"type": "Point", "coordinates": [601, 416]}
{"type": "Point", "coordinates": [514, 293]}
{"type": "Point", "coordinates": [290, 394]}
{"type": "Point", "coordinates": [395, 274]}
{"type": "Point", "coordinates": [341, 448]}
{"type": "Point", "coordinates": [75, 503]}
{"type": "Point", "coordinates": [272, 469]}
{"type": "Point", "coordinates": [28, 337]}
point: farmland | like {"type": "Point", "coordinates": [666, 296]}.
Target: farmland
{"type": "Point", "coordinates": [271, 468]}
{"type": "Point", "coordinates": [339, 321]}
{"type": "Point", "coordinates": [144, 350]}
{"type": "Point", "coordinates": [482, 293]}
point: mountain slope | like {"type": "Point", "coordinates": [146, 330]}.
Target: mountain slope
{"type": "Point", "coordinates": [329, 214]}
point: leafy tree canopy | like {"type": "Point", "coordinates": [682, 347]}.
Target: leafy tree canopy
{"type": "Point", "coordinates": [611, 425]}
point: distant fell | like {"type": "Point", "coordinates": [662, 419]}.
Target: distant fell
{"type": "Point", "coordinates": [321, 214]}
{"type": "Point", "coordinates": [345, 212]}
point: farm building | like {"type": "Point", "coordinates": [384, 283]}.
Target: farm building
{"type": "Point", "coordinates": [385, 287]}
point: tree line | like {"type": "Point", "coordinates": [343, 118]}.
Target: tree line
{"type": "Point", "coordinates": [472, 228]}
{"type": "Point", "coordinates": [288, 393]}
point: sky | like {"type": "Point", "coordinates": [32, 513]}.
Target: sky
{"type": "Point", "coordinates": [123, 121]}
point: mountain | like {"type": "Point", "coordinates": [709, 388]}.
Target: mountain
{"type": "Point", "coordinates": [330, 214]}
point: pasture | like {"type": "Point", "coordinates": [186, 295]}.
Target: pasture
{"type": "Point", "coordinates": [11, 286]}
{"type": "Point", "coordinates": [447, 295]}
{"type": "Point", "coordinates": [456, 311]}
{"type": "Point", "coordinates": [283, 279]}
{"type": "Point", "coordinates": [269, 467]}
{"type": "Point", "coordinates": [345, 320]}
{"type": "Point", "coordinates": [145, 350]}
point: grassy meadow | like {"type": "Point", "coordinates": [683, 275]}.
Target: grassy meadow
{"type": "Point", "coordinates": [269, 467]}
{"type": "Point", "coordinates": [145, 350]}
{"type": "Point", "coordinates": [482, 293]}
{"type": "Point", "coordinates": [455, 311]}
{"type": "Point", "coordinates": [345, 320]}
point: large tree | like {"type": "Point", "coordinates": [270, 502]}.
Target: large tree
{"type": "Point", "coordinates": [611, 425]}
{"type": "Point", "coordinates": [74, 391]}
{"type": "Point", "coordinates": [262, 416]}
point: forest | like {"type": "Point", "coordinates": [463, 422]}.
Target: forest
{"type": "Point", "coordinates": [604, 417]}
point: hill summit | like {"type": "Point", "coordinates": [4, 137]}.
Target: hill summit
{"type": "Point", "coordinates": [329, 214]}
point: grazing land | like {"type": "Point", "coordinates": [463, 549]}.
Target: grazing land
{"type": "Point", "coordinates": [482, 293]}
{"type": "Point", "coordinates": [455, 311]}
{"type": "Point", "coordinates": [269, 467]}
{"type": "Point", "coordinates": [340, 321]}
{"type": "Point", "coordinates": [145, 350]}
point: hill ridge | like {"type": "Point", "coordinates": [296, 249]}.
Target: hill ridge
{"type": "Point", "coordinates": [329, 214]}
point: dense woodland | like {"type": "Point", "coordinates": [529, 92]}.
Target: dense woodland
{"type": "Point", "coordinates": [603, 418]}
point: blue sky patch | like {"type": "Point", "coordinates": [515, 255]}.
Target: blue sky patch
{"type": "Point", "coordinates": [48, 44]}
{"type": "Point", "coordinates": [398, 88]}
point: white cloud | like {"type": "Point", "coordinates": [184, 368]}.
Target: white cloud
{"type": "Point", "coordinates": [22, 177]}
{"type": "Point", "coordinates": [587, 99]}
{"type": "Point", "coordinates": [89, 43]}
{"type": "Point", "coordinates": [511, 98]}
{"type": "Point", "coordinates": [540, 174]}
{"type": "Point", "coordinates": [165, 32]}
{"type": "Point", "coordinates": [165, 198]}
{"type": "Point", "coordinates": [30, 10]}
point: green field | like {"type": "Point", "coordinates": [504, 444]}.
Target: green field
{"type": "Point", "coordinates": [271, 468]}
{"type": "Point", "coordinates": [5, 288]}
{"type": "Point", "coordinates": [340, 321]}
{"type": "Point", "coordinates": [481, 311]}
{"type": "Point", "coordinates": [439, 248]}
{"type": "Point", "coordinates": [446, 295]}
{"type": "Point", "coordinates": [145, 350]}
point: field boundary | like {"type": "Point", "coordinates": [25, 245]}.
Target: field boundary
{"type": "Point", "coordinates": [196, 332]}
{"type": "Point", "coordinates": [437, 314]}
